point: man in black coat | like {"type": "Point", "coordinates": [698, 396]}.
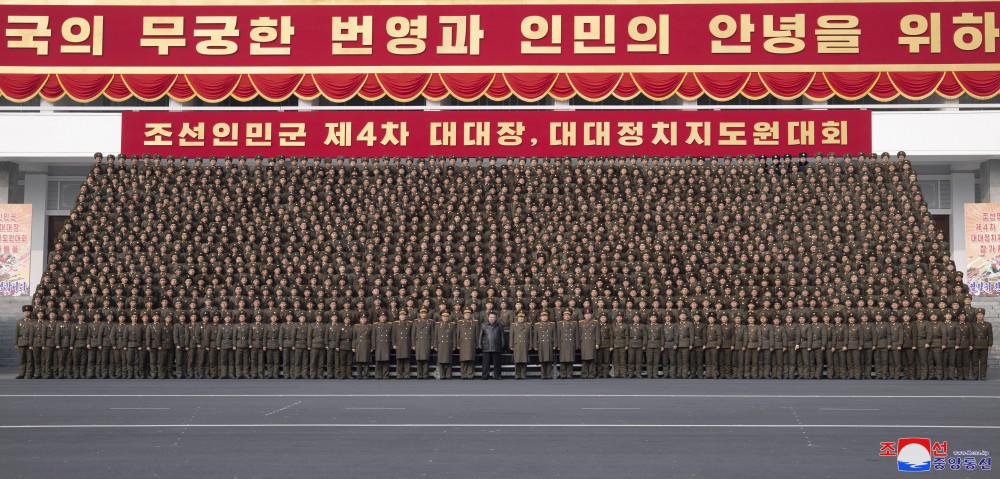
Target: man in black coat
{"type": "Point", "coordinates": [491, 342]}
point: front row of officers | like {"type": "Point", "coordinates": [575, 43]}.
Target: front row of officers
{"type": "Point", "coordinates": [205, 347]}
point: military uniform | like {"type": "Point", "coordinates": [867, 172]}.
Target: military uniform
{"type": "Point", "coordinates": [272, 348]}
{"type": "Point", "coordinates": [604, 353]}
{"type": "Point", "coordinates": [468, 336]}
{"type": "Point", "coordinates": [921, 331]}
{"type": "Point", "coordinates": [165, 364]}
{"type": "Point", "coordinates": [963, 349]}
{"type": "Point", "coordinates": [316, 344]}
{"type": "Point", "coordinates": [982, 341]}
{"type": "Point", "coordinates": [401, 331]}
{"type": "Point", "coordinates": [242, 340]}
{"type": "Point", "coordinates": [345, 353]}
{"type": "Point", "coordinates": [422, 339]}
{"type": "Point", "coordinates": [567, 339]}
{"type": "Point", "coordinates": [544, 340]}
{"type": "Point", "coordinates": [854, 350]}
{"type": "Point", "coordinates": [286, 339]}
{"type": "Point", "coordinates": [382, 345]}
{"type": "Point", "coordinates": [520, 343]}
{"type": "Point", "coordinates": [361, 345]}
{"type": "Point", "coordinates": [685, 334]}
{"type": "Point", "coordinates": [713, 342]}
{"type": "Point", "coordinates": [620, 338]}
{"type": "Point", "coordinates": [589, 336]}
{"type": "Point", "coordinates": [653, 346]}
{"type": "Point", "coordinates": [22, 338]}
{"type": "Point", "coordinates": [258, 337]}
{"type": "Point", "coordinates": [445, 334]}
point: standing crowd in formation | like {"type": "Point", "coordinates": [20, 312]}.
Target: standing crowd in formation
{"type": "Point", "coordinates": [732, 267]}
{"type": "Point", "coordinates": [718, 348]}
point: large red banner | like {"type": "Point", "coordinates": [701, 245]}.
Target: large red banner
{"type": "Point", "coordinates": [439, 36]}
{"type": "Point", "coordinates": [498, 133]}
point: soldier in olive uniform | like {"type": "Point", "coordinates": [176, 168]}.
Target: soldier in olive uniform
{"type": "Point", "coordinates": [739, 347]}
{"type": "Point", "coordinates": [935, 337]}
{"type": "Point", "coordinates": [78, 346]}
{"type": "Point", "coordinates": [949, 343]}
{"type": "Point", "coordinates": [180, 340]}
{"type": "Point", "coordinates": [468, 336]}
{"type": "Point", "coordinates": [272, 346]}
{"type": "Point", "coordinates": [880, 338]}
{"type": "Point", "coordinates": [791, 340]}
{"type": "Point", "coordinates": [751, 361]}
{"type": "Point", "coordinates": [817, 345]}
{"type": "Point", "coordinates": [95, 340]}
{"type": "Point", "coordinates": [445, 334]}
{"type": "Point", "coordinates": [669, 348]}
{"type": "Point", "coordinates": [22, 337]}
{"type": "Point", "coordinates": [713, 343]}
{"type": "Point", "coordinates": [908, 349]}
{"type": "Point", "coordinates": [921, 333]}
{"type": "Point", "coordinates": [361, 346]}
{"type": "Point", "coordinates": [37, 347]}
{"type": "Point", "coordinates": [242, 341]}
{"type": "Point", "coordinates": [300, 348]}
{"type": "Point", "coordinates": [635, 348]}
{"type": "Point", "coordinates": [589, 335]}
{"type": "Point", "coordinates": [382, 345]}
{"type": "Point", "coordinates": [133, 340]}
{"type": "Point", "coordinates": [316, 345]}
{"type": "Point", "coordinates": [766, 332]}
{"type": "Point", "coordinates": [120, 349]}
{"type": "Point", "coordinates": [567, 339]}
{"type": "Point", "coordinates": [345, 348]}
{"type": "Point", "coordinates": [211, 343]}
{"type": "Point", "coordinates": [653, 345]}
{"type": "Point", "coordinates": [982, 341]}
{"type": "Point", "coordinates": [853, 348]}
{"type": "Point", "coordinates": [153, 333]}
{"type": "Point", "coordinates": [963, 348]}
{"type": "Point", "coordinates": [108, 356]}
{"type": "Point", "coordinates": [867, 347]}
{"type": "Point", "coordinates": [895, 347]}
{"type": "Point", "coordinates": [165, 356]}
{"type": "Point", "coordinates": [422, 340]}
{"type": "Point", "coordinates": [63, 347]}
{"type": "Point", "coordinates": [697, 347]}
{"type": "Point", "coordinates": [619, 346]}
{"type": "Point", "coordinates": [227, 349]}
{"type": "Point", "coordinates": [520, 343]}
{"type": "Point", "coordinates": [803, 348]}
{"type": "Point", "coordinates": [838, 342]}
{"type": "Point", "coordinates": [777, 350]}
{"type": "Point", "coordinates": [286, 341]}
{"type": "Point", "coordinates": [543, 340]}
{"type": "Point", "coordinates": [401, 332]}
{"type": "Point", "coordinates": [258, 336]}
{"type": "Point", "coordinates": [604, 352]}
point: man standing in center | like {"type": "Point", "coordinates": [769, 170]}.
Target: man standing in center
{"type": "Point", "coordinates": [604, 352]}
{"type": "Point", "coordinates": [491, 341]}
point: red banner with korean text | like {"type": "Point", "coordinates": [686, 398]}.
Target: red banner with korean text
{"type": "Point", "coordinates": [498, 133]}
{"type": "Point", "coordinates": [505, 36]}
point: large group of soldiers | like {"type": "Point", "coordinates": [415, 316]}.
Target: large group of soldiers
{"type": "Point", "coordinates": [747, 267]}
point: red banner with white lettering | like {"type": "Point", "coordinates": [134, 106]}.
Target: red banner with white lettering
{"type": "Point", "coordinates": [434, 36]}
{"type": "Point", "coordinates": [496, 133]}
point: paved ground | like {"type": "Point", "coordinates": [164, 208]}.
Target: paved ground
{"type": "Point", "coordinates": [577, 428]}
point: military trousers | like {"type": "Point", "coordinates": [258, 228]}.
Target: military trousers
{"type": "Point", "coordinates": [670, 363]}
{"type": "Point", "coordinates": [603, 362]}
{"type": "Point", "coordinates": [652, 362]}
{"type": "Point", "coordinates": [423, 369]}
{"type": "Point", "coordinates": [739, 355]}
{"type": "Point", "coordinates": [789, 372]}
{"type": "Point", "coordinates": [895, 363]}
{"type": "Point", "coordinates": [963, 357]}
{"type": "Point", "coordinates": [867, 355]}
{"type": "Point", "coordinates": [468, 369]}
{"type": "Point", "coordinates": [316, 356]}
{"type": "Point", "coordinates": [256, 362]}
{"type": "Point", "coordinates": [154, 362]}
{"type": "Point", "coordinates": [909, 363]}
{"type": "Point", "coordinates": [765, 364]}
{"type": "Point", "coordinates": [193, 363]}
{"type": "Point", "coordinates": [854, 363]}
{"type": "Point", "coordinates": [345, 360]}
{"type": "Point", "coordinates": [840, 362]}
{"type": "Point", "coordinates": [881, 363]}
{"type": "Point", "coordinates": [619, 358]}
{"type": "Point", "coordinates": [382, 369]}
{"type": "Point", "coordinates": [131, 364]}
{"type": "Point", "coordinates": [62, 362]}
{"type": "Point", "coordinates": [979, 366]}
{"type": "Point", "coordinates": [520, 370]}
{"type": "Point", "coordinates": [142, 363]}
{"type": "Point", "coordinates": [817, 363]}
{"type": "Point", "coordinates": [725, 363]}
{"type": "Point", "coordinates": [935, 366]}
{"type": "Point", "coordinates": [286, 361]}
{"type": "Point", "coordinates": [803, 362]}
{"type": "Point", "coordinates": [751, 363]}
{"type": "Point", "coordinates": [180, 362]}
{"type": "Point", "coordinates": [684, 362]}
{"type": "Point", "coordinates": [104, 362]}
{"type": "Point", "coordinates": [79, 362]}
{"type": "Point", "coordinates": [363, 368]}
{"type": "Point", "coordinates": [923, 362]}
{"type": "Point", "coordinates": [227, 363]}
{"type": "Point", "coordinates": [212, 367]}
{"type": "Point", "coordinates": [828, 358]}
{"type": "Point", "coordinates": [299, 362]}
{"type": "Point", "coordinates": [272, 358]}
{"type": "Point", "coordinates": [242, 362]}
{"type": "Point", "coordinates": [116, 364]}
{"type": "Point", "coordinates": [565, 370]}
{"type": "Point", "coordinates": [444, 370]}
{"type": "Point", "coordinates": [23, 358]}
{"type": "Point", "coordinates": [47, 358]}
{"type": "Point", "coordinates": [948, 362]}
{"type": "Point", "coordinates": [698, 362]}
{"type": "Point", "coordinates": [634, 363]}
{"type": "Point", "coordinates": [166, 363]}
{"type": "Point", "coordinates": [777, 364]}
{"type": "Point", "coordinates": [588, 369]}
{"type": "Point", "coordinates": [546, 367]}
{"type": "Point", "coordinates": [712, 363]}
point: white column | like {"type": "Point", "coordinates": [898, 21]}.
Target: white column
{"type": "Point", "coordinates": [963, 190]}
{"type": "Point", "coordinates": [36, 187]}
